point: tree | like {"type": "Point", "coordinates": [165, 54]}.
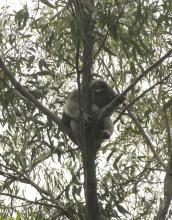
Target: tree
{"type": "Point", "coordinates": [47, 49]}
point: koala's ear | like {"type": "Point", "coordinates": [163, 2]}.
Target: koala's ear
{"type": "Point", "coordinates": [71, 106]}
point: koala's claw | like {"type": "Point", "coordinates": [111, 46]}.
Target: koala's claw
{"type": "Point", "coordinates": [106, 134]}
{"type": "Point", "coordinates": [121, 100]}
{"type": "Point", "coordinates": [88, 118]}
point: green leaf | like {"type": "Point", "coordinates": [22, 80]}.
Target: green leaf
{"type": "Point", "coordinates": [168, 104]}
{"type": "Point", "coordinates": [18, 217]}
{"type": "Point", "coordinates": [170, 5]}
{"type": "Point", "coordinates": [22, 17]}
{"type": "Point", "coordinates": [121, 209]}
{"type": "Point", "coordinates": [47, 3]}
{"type": "Point", "coordinates": [30, 61]}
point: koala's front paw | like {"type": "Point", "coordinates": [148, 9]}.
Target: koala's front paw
{"type": "Point", "coordinates": [105, 134]}
{"type": "Point", "coordinates": [87, 118]}
{"type": "Point", "coordinates": [122, 99]}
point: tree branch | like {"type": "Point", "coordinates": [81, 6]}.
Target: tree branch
{"type": "Point", "coordinates": [29, 201]}
{"type": "Point", "coordinates": [148, 141]}
{"type": "Point", "coordinates": [32, 99]}
{"type": "Point", "coordinates": [140, 96]}
{"type": "Point", "coordinates": [164, 206]}
{"type": "Point", "coordinates": [51, 197]}
{"type": "Point", "coordinates": [110, 108]}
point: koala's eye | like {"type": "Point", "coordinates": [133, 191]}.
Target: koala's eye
{"type": "Point", "coordinates": [98, 90]}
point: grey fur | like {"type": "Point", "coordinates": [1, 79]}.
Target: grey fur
{"type": "Point", "coordinates": [101, 94]}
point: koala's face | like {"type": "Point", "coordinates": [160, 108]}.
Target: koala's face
{"type": "Point", "coordinates": [101, 93]}
{"type": "Point", "coordinates": [99, 86]}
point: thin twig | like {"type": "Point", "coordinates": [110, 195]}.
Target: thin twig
{"type": "Point", "coordinates": [140, 96]}
{"type": "Point", "coordinates": [148, 141]}
{"type": "Point", "coordinates": [110, 108]}
{"type": "Point", "coordinates": [29, 201]}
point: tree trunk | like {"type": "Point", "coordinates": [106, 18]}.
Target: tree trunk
{"type": "Point", "coordinates": [88, 152]}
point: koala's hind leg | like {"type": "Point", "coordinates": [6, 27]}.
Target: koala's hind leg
{"type": "Point", "coordinates": [75, 127]}
{"type": "Point", "coordinates": [107, 129]}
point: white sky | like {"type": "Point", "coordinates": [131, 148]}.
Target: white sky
{"type": "Point", "coordinates": [17, 5]}
{"type": "Point", "coordinates": [14, 4]}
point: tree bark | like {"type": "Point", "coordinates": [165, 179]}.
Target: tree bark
{"type": "Point", "coordinates": [88, 152]}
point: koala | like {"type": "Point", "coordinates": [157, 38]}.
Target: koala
{"type": "Point", "coordinates": [101, 94]}
{"type": "Point", "coordinates": [71, 115]}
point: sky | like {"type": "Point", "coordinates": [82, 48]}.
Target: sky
{"type": "Point", "coordinates": [14, 4]}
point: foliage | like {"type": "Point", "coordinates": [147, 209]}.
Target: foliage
{"type": "Point", "coordinates": [41, 170]}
